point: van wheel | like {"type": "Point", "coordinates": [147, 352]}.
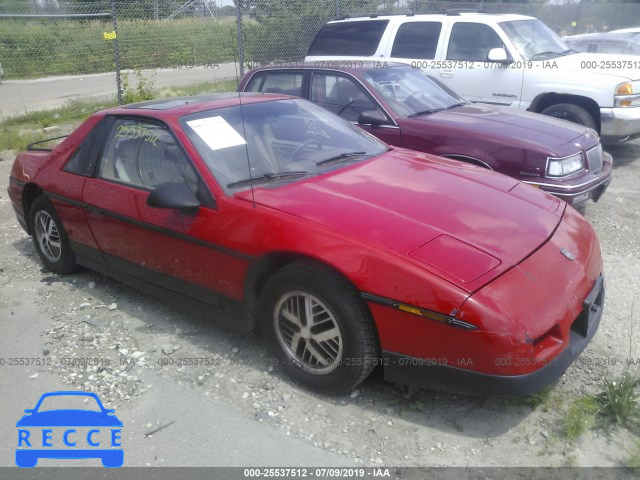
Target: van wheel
{"type": "Point", "coordinates": [572, 113]}
{"type": "Point", "coordinates": [319, 327]}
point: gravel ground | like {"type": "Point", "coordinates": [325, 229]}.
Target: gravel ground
{"type": "Point", "coordinates": [92, 316]}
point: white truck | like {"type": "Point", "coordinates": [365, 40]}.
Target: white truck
{"type": "Point", "coordinates": [510, 60]}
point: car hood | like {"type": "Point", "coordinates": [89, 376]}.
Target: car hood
{"type": "Point", "coordinates": [503, 125]}
{"type": "Point", "coordinates": [461, 222]}
{"type": "Point", "coordinates": [603, 63]}
{"type": "Point", "coordinates": [69, 418]}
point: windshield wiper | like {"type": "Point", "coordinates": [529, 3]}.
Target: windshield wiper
{"type": "Point", "coordinates": [547, 53]}
{"type": "Point", "coordinates": [426, 112]}
{"type": "Point", "coordinates": [340, 156]}
{"type": "Point", "coordinates": [267, 176]}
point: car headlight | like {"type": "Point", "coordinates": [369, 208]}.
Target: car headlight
{"type": "Point", "coordinates": [561, 167]}
{"type": "Point", "coordinates": [627, 94]}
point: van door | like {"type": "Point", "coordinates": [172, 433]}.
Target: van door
{"type": "Point", "coordinates": [467, 70]}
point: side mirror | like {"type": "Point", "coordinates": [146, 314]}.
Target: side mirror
{"type": "Point", "coordinates": [28, 410]}
{"type": "Point", "coordinates": [173, 195]}
{"type": "Point", "coordinates": [372, 117]}
{"type": "Point", "coordinates": [498, 55]}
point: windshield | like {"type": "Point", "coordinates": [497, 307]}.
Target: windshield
{"type": "Point", "coordinates": [69, 402]}
{"type": "Point", "coordinates": [534, 40]}
{"type": "Point", "coordinates": [269, 144]}
{"type": "Point", "coordinates": [408, 92]}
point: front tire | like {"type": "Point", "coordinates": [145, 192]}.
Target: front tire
{"type": "Point", "coordinates": [572, 113]}
{"type": "Point", "coordinates": [319, 328]}
{"type": "Point", "coordinates": [50, 238]}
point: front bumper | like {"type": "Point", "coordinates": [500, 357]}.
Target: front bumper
{"type": "Point", "coordinates": [619, 124]}
{"type": "Point", "coordinates": [590, 189]}
{"type": "Point", "coordinates": [422, 372]}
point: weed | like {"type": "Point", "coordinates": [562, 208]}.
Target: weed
{"type": "Point", "coordinates": [580, 417]}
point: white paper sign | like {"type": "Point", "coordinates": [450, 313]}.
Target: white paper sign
{"type": "Point", "coordinates": [216, 132]}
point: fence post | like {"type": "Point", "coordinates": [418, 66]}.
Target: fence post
{"type": "Point", "coordinates": [116, 51]}
{"type": "Point", "coordinates": [240, 37]}
{"type": "Point", "coordinates": [337, 8]}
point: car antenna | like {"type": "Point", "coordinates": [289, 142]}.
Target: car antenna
{"type": "Point", "coordinates": [244, 130]}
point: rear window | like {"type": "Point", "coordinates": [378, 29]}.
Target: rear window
{"type": "Point", "coordinates": [351, 39]}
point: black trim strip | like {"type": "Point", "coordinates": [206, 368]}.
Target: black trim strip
{"type": "Point", "coordinates": [20, 183]}
{"type": "Point", "coordinates": [198, 299]}
{"type": "Point", "coordinates": [155, 228]}
{"type": "Point", "coordinates": [420, 312]}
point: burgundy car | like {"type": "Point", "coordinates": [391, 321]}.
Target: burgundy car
{"type": "Point", "coordinates": [268, 210]}
{"type": "Point", "coordinates": [405, 108]}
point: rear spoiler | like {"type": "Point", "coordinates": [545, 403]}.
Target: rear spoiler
{"type": "Point", "coordinates": [32, 146]}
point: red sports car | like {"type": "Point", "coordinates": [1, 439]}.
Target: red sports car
{"type": "Point", "coordinates": [268, 210]}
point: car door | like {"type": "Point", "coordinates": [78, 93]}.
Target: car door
{"type": "Point", "coordinates": [158, 245]}
{"type": "Point", "coordinates": [466, 68]}
{"type": "Point", "coordinates": [346, 97]}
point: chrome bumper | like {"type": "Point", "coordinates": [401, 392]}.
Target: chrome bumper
{"type": "Point", "coordinates": [619, 124]}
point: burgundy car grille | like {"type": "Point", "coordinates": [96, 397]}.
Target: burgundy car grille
{"type": "Point", "coordinates": [594, 157]}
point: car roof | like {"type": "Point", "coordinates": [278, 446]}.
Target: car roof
{"type": "Point", "coordinates": [353, 67]}
{"type": "Point", "coordinates": [178, 106]}
{"type": "Point", "coordinates": [476, 16]}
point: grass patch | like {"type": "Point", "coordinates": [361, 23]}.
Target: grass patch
{"type": "Point", "coordinates": [580, 417]}
{"type": "Point", "coordinates": [616, 405]}
{"type": "Point", "coordinates": [619, 401]}
{"type": "Point", "coordinates": [17, 132]}
{"type": "Point", "coordinates": [633, 458]}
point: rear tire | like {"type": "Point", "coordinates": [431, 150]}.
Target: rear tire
{"type": "Point", "coordinates": [319, 328]}
{"type": "Point", "coordinates": [50, 238]}
{"type": "Point", "coordinates": [572, 113]}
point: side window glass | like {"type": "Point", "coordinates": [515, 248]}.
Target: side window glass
{"type": "Point", "coordinates": [417, 40]}
{"type": "Point", "coordinates": [83, 159]}
{"type": "Point", "coordinates": [255, 84]}
{"type": "Point", "coordinates": [340, 95]}
{"type": "Point", "coordinates": [288, 83]}
{"type": "Point", "coordinates": [472, 42]}
{"type": "Point", "coordinates": [144, 155]}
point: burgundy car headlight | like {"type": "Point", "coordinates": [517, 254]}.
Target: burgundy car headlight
{"type": "Point", "coordinates": [561, 167]}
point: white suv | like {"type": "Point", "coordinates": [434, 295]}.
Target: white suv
{"type": "Point", "coordinates": [511, 60]}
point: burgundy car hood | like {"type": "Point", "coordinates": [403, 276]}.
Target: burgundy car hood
{"type": "Point", "coordinates": [464, 223]}
{"type": "Point", "coordinates": [492, 121]}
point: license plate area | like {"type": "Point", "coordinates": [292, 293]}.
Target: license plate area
{"type": "Point", "coordinates": [591, 309]}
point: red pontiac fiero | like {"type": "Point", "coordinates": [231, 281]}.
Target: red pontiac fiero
{"type": "Point", "coordinates": [268, 210]}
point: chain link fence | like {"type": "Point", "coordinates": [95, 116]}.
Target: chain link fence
{"type": "Point", "coordinates": [55, 51]}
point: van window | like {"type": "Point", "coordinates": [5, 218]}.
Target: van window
{"type": "Point", "coordinates": [417, 40]}
{"type": "Point", "coordinates": [352, 39]}
{"type": "Point", "coordinates": [472, 41]}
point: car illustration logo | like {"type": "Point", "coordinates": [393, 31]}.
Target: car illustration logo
{"type": "Point", "coordinates": [57, 428]}
{"type": "Point", "coordinates": [568, 254]}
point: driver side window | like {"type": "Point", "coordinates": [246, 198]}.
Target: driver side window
{"type": "Point", "coordinates": [340, 95]}
{"type": "Point", "coordinates": [144, 155]}
{"type": "Point", "coordinates": [472, 42]}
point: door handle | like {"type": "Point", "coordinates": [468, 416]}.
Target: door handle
{"type": "Point", "coordinates": [447, 74]}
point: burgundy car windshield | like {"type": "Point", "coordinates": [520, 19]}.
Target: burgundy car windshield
{"type": "Point", "coordinates": [269, 144]}
{"type": "Point", "coordinates": [408, 92]}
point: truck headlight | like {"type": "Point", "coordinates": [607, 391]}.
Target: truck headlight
{"type": "Point", "coordinates": [627, 94]}
{"type": "Point", "coordinates": [561, 167]}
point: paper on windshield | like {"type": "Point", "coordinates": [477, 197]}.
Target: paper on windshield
{"type": "Point", "coordinates": [216, 132]}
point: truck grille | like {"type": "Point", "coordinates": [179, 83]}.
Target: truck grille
{"type": "Point", "coordinates": [594, 157]}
